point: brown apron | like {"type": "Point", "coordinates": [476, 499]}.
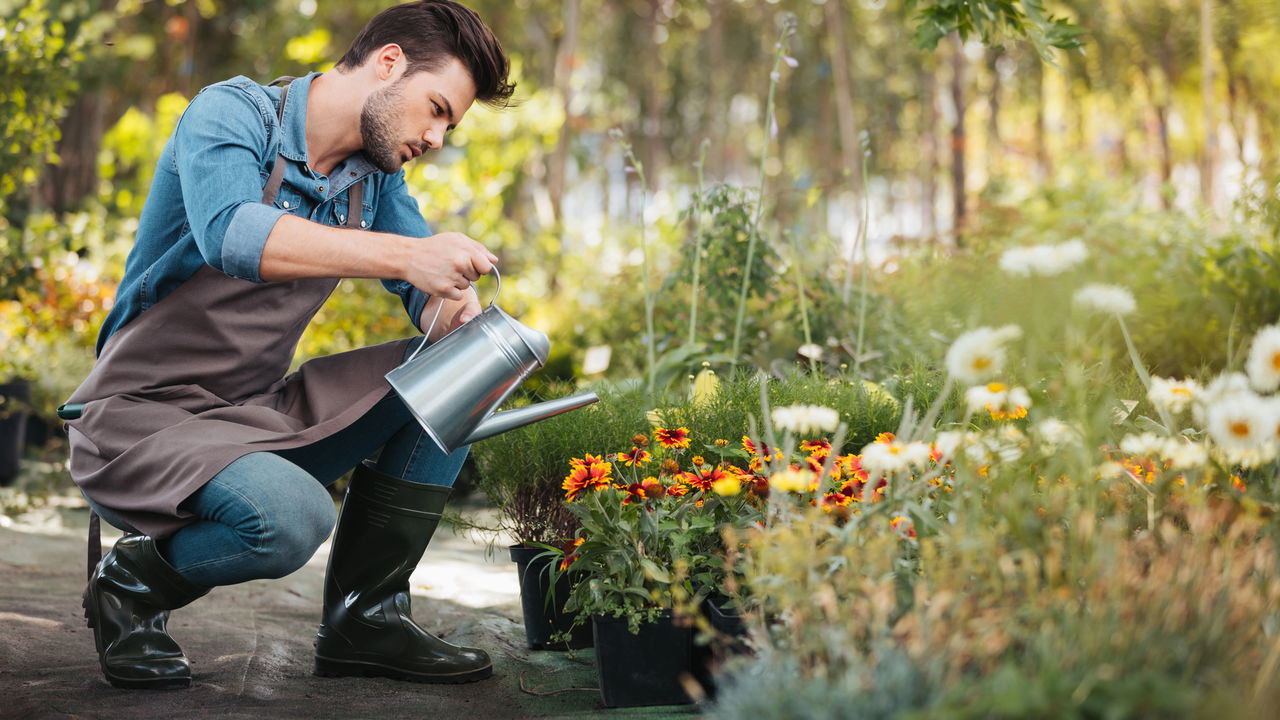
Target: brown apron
{"type": "Point", "coordinates": [199, 380]}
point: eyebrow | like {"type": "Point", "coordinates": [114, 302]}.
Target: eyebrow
{"type": "Point", "coordinates": [447, 107]}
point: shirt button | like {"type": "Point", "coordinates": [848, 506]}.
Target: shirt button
{"type": "Point", "coordinates": [286, 204]}
{"type": "Point", "coordinates": [342, 218]}
{"type": "Point", "coordinates": [320, 188]}
{"type": "Point", "coordinates": [364, 224]}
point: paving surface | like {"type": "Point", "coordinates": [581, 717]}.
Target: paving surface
{"type": "Point", "coordinates": [250, 644]}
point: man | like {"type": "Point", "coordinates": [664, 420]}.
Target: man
{"type": "Point", "coordinates": [194, 438]}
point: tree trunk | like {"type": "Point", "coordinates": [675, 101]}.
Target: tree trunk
{"type": "Point", "coordinates": [1208, 161]}
{"type": "Point", "coordinates": [850, 152]}
{"type": "Point", "coordinates": [558, 169]}
{"type": "Point", "coordinates": [929, 150]}
{"type": "Point", "coordinates": [653, 97]}
{"type": "Point", "coordinates": [958, 142]}
{"type": "Point", "coordinates": [65, 186]}
{"type": "Point", "coordinates": [1044, 161]}
{"type": "Point", "coordinates": [994, 147]}
{"type": "Point", "coordinates": [718, 107]}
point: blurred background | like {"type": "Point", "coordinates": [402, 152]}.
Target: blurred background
{"type": "Point", "coordinates": [650, 133]}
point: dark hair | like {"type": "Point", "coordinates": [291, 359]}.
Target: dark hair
{"type": "Point", "coordinates": [431, 32]}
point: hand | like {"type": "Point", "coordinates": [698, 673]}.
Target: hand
{"type": "Point", "coordinates": [452, 315]}
{"type": "Point", "coordinates": [446, 264]}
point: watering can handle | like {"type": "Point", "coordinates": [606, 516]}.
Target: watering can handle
{"type": "Point", "coordinates": [436, 316]}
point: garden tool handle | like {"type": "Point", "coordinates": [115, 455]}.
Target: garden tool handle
{"type": "Point", "coordinates": [436, 316]}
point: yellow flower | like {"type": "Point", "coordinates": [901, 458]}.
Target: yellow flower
{"type": "Point", "coordinates": [791, 480]}
{"type": "Point", "coordinates": [727, 486]}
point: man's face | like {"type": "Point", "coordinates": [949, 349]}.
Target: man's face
{"type": "Point", "coordinates": [403, 120]}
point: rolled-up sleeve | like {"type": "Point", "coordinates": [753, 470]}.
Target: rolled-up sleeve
{"type": "Point", "coordinates": [398, 213]}
{"type": "Point", "coordinates": [219, 149]}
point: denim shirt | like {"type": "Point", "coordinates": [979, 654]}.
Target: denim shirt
{"type": "Point", "coordinates": [205, 205]}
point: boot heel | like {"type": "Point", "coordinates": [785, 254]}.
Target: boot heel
{"type": "Point", "coordinates": [337, 668]}
{"type": "Point", "coordinates": [88, 616]}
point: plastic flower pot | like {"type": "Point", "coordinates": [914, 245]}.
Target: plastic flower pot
{"type": "Point", "coordinates": [14, 397]}
{"type": "Point", "coordinates": [642, 669]}
{"type": "Point", "coordinates": [543, 619]}
{"type": "Point", "coordinates": [729, 640]}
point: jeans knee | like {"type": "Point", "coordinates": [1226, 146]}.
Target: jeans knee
{"type": "Point", "coordinates": [295, 535]}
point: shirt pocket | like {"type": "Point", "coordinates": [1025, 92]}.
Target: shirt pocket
{"type": "Point", "coordinates": [287, 198]}
{"type": "Point", "coordinates": [340, 210]}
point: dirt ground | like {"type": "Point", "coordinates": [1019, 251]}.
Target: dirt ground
{"type": "Point", "coordinates": [250, 645]}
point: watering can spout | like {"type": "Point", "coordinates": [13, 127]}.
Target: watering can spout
{"type": "Point", "coordinates": [501, 422]}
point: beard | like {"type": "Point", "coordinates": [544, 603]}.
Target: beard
{"type": "Point", "coordinates": [378, 121]}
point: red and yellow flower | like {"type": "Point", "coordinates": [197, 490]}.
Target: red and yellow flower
{"type": "Point", "coordinates": [637, 456]}
{"type": "Point", "coordinates": [585, 476]}
{"type": "Point", "coordinates": [672, 437]}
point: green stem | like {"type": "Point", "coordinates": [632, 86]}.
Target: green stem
{"type": "Point", "coordinates": [1143, 374]}
{"type": "Point", "coordinates": [804, 308]}
{"type": "Point", "coordinates": [697, 245]}
{"type": "Point", "coordinates": [866, 262]}
{"type": "Point", "coordinates": [650, 352]}
{"type": "Point", "coordinates": [774, 75]}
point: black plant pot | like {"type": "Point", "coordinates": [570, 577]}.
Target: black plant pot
{"type": "Point", "coordinates": [544, 615]}
{"type": "Point", "coordinates": [642, 669]}
{"type": "Point", "coordinates": [13, 427]}
{"type": "Point", "coordinates": [729, 640]}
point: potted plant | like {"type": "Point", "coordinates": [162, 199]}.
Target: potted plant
{"type": "Point", "coordinates": [521, 472]}
{"type": "Point", "coordinates": [651, 518]}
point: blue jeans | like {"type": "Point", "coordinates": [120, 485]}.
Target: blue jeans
{"type": "Point", "coordinates": [265, 514]}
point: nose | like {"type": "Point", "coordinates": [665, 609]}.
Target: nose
{"type": "Point", "coordinates": [433, 138]}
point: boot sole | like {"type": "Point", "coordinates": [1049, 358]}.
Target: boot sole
{"type": "Point", "coordinates": [116, 681]}
{"type": "Point", "coordinates": [328, 667]}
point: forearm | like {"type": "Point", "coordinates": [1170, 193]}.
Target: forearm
{"type": "Point", "coordinates": [297, 248]}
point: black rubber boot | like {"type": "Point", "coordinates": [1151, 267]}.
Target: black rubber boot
{"type": "Point", "coordinates": [367, 629]}
{"type": "Point", "coordinates": [127, 604]}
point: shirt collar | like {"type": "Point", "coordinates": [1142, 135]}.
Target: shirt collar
{"type": "Point", "coordinates": [293, 141]}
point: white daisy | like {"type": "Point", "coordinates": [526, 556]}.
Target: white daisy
{"type": "Point", "coordinates": [1242, 422]}
{"type": "Point", "coordinates": [1263, 365]}
{"type": "Point", "coordinates": [885, 458]}
{"type": "Point", "coordinates": [1105, 299]}
{"type": "Point", "coordinates": [1224, 387]}
{"type": "Point", "coordinates": [806, 419]}
{"type": "Point", "coordinates": [1144, 445]}
{"type": "Point", "coordinates": [1055, 433]}
{"type": "Point", "coordinates": [1184, 455]}
{"type": "Point", "coordinates": [1172, 395]}
{"type": "Point", "coordinates": [1043, 260]}
{"type": "Point", "coordinates": [979, 354]}
{"type": "Point", "coordinates": [997, 397]}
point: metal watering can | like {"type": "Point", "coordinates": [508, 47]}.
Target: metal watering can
{"type": "Point", "coordinates": [454, 385]}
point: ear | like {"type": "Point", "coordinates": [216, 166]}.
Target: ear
{"type": "Point", "coordinates": [388, 61]}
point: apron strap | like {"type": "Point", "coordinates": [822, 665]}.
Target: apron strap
{"type": "Point", "coordinates": [272, 188]}
{"type": "Point", "coordinates": [355, 194]}
{"type": "Point", "coordinates": [355, 204]}
{"type": "Point", "coordinates": [95, 542]}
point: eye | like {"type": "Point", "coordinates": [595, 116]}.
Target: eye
{"type": "Point", "coordinates": [436, 107]}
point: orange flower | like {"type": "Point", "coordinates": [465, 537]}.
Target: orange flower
{"type": "Point", "coordinates": [587, 459]}
{"type": "Point", "coordinates": [885, 437]}
{"type": "Point", "coordinates": [903, 526]}
{"type": "Point", "coordinates": [818, 449]}
{"type": "Point", "coordinates": [698, 461]}
{"type": "Point", "coordinates": [704, 477]}
{"type": "Point", "coordinates": [672, 438]}
{"type": "Point", "coordinates": [722, 442]}
{"type": "Point", "coordinates": [677, 490]}
{"type": "Point", "coordinates": [641, 440]}
{"type": "Point", "coordinates": [653, 488]}
{"type": "Point", "coordinates": [635, 457]}
{"type": "Point", "coordinates": [571, 554]}
{"type": "Point", "coordinates": [586, 477]}
{"type": "Point", "coordinates": [670, 466]}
